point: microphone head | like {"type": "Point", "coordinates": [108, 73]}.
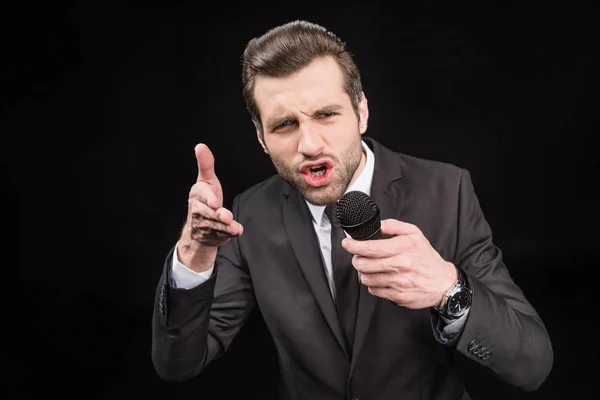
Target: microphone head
{"type": "Point", "coordinates": [359, 216]}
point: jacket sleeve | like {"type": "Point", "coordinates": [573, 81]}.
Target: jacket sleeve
{"type": "Point", "coordinates": [190, 328]}
{"type": "Point", "coordinates": [503, 331]}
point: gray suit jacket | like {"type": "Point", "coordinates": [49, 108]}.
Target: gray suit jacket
{"type": "Point", "coordinates": [398, 354]}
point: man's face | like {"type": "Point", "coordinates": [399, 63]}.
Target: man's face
{"type": "Point", "coordinates": [311, 131]}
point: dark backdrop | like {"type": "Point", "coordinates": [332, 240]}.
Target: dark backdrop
{"type": "Point", "coordinates": [103, 102]}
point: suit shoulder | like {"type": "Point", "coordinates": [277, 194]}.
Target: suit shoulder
{"type": "Point", "coordinates": [262, 194]}
{"type": "Point", "coordinates": [427, 168]}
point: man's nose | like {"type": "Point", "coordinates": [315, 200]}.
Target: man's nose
{"type": "Point", "coordinates": [311, 143]}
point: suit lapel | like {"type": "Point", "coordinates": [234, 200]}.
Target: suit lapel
{"type": "Point", "coordinates": [303, 238]}
{"type": "Point", "coordinates": [387, 193]}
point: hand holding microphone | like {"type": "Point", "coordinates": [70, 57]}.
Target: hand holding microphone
{"type": "Point", "coordinates": [394, 258]}
{"type": "Point", "coordinates": [208, 224]}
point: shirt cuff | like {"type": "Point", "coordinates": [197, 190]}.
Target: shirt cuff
{"type": "Point", "coordinates": [448, 329]}
{"type": "Point", "coordinates": [184, 278]}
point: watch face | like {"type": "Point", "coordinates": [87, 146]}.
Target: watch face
{"type": "Point", "coordinates": [459, 303]}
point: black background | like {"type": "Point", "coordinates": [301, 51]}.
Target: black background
{"type": "Point", "coordinates": [103, 102]}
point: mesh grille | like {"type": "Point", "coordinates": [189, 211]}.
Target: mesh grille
{"type": "Point", "coordinates": [358, 215]}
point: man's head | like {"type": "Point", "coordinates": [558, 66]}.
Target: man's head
{"type": "Point", "coordinates": [304, 95]}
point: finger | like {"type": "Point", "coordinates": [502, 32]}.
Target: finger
{"type": "Point", "coordinates": [370, 248]}
{"type": "Point", "coordinates": [207, 225]}
{"type": "Point", "coordinates": [225, 215]}
{"type": "Point", "coordinates": [222, 214]}
{"type": "Point", "coordinates": [383, 292]}
{"type": "Point", "coordinates": [394, 227]}
{"type": "Point", "coordinates": [201, 211]}
{"type": "Point", "coordinates": [206, 163]}
{"type": "Point", "coordinates": [366, 265]}
{"type": "Point", "coordinates": [236, 228]}
{"type": "Point", "coordinates": [216, 227]}
{"type": "Point", "coordinates": [204, 192]}
{"type": "Point", "coordinates": [406, 243]}
{"type": "Point", "coordinates": [210, 236]}
{"type": "Point", "coordinates": [376, 280]}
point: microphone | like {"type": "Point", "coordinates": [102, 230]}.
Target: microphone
{"type": "Point", "coordinates": [359, 216]}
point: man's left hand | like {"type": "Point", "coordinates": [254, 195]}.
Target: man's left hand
{"type": "Point", "coordinates": [404, 268]}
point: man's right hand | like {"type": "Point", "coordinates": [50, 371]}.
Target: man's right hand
{"type": "Point", "coordinates": [208, 225]}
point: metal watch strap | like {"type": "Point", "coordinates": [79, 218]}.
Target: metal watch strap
{"type": "Point", "coordinates": [462, 279]}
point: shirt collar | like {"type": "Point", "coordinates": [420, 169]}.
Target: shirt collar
{"type": "Point", "coordinates": [362, 183]}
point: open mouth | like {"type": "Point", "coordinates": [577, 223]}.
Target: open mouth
{"type": "Point", "coordinates": [319, 174]}
{"type": "Point", "coordinates": [318, 170]}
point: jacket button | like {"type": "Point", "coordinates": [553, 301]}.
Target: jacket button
{"type": "Point", "coordinates": [476, 349]}
{"type": "Point", "coordinates": [486, 355]}
{"type": "Point", "coordinates": [472, 344]}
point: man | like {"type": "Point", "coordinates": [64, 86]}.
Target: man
{"type": "Point", "coordinates": [376, 319]}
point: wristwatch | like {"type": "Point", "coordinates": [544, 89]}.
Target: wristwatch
{"type": "Point", "coordinates": [457, 299]}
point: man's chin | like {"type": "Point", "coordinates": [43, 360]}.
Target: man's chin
{"type": "Point", "coordinates": [321, 196]}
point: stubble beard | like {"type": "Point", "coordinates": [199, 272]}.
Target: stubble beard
{"type": "Point", "coordinates": [345, 167]}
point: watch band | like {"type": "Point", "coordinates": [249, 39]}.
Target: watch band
{"type": "Point", "coordinates": [450, 290]}
{"type": "Point", "coordinates": [462, 279]}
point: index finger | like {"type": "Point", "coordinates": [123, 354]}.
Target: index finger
{"type": "Point", "coordinates": [394, 227]}
{"type": "Point", "coordinates": [371, 248]}
{"type": "Point", "coordinates": [206, 163]}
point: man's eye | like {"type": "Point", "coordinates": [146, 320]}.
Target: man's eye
{"type": "Point", "coordinates": [284, 124]}
{"type": "Point", "coordinates": [327, 114]}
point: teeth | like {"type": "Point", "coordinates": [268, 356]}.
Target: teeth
{"type": "Point", "coordinates": [318, 173]}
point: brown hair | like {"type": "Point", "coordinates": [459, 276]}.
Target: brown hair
{"type": "Point", "coordinates": [288, 48]}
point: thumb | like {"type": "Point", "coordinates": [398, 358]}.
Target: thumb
{"type": "Point", "coordinates": [206, 163]}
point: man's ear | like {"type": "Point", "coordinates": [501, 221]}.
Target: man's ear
{"type": "Point", "coordinates": [363, 112]}
{"type": "Point", "coordinates": [260, 138]}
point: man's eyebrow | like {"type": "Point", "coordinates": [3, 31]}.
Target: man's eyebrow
{"type": "Point", "coordinates": [328, 108]}
{"type": "Point", "coordinates": [273, 122]}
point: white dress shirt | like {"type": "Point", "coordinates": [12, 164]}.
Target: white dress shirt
{"type": "Point", "coordinates": [186, 278]}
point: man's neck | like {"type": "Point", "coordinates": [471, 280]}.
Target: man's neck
{"type": "Point", "coordinates": [361, 166]}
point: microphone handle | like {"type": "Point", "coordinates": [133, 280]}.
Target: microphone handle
{"type": "Point", "coordinates": [377, 235]}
